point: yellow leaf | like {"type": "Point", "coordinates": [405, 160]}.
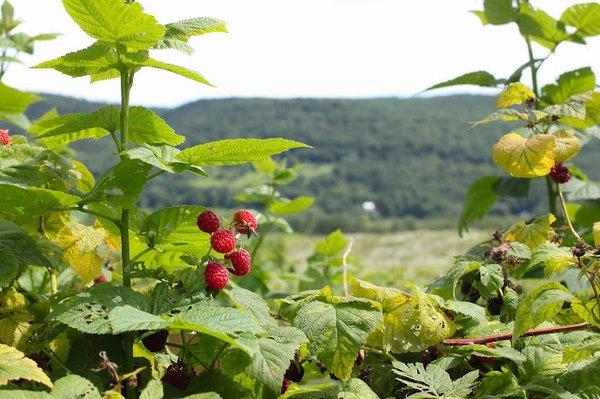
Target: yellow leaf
{"type": "Point", "coordinates": [15, 329]}
{"type": "Point", "coordinates": [85, 179]}
{"type": "Point", "coordinates": [566, 145]}
{"type": "Point", "coordinates": [15, 366]}
{"type": "Point", "coordinates": [514, 94]}
{"type": "Point", "coordinates": [80, 245]}
{"type": "Point", "coordinates": [534, 234]}
{"type": "Point", "coordinates": [596, 233]}
{"type": "Point", "coordinates": [521, 157]}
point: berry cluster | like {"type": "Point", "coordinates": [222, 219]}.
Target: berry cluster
{"type": "Point", "coordinates": [223, 241]}
{"type": "Point", "coordinates": [560, 173]}
{"type": "Point", "coordinates": [4, 137]}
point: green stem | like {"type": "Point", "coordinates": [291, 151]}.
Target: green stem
{"type": "Point", "coordinates": [138, 256]}
{"type": "Point", "coordinates": [566, 213]}
{"type": "Point", "coordinates": [97, 214]}
{"type": "Point", "coordinates": [551, 196]}
{"type": "Point", "coordinates": [155, 175]}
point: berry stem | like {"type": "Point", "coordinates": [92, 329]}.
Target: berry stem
{"type": "Point", "coordinates": [566, 213]}
{"type": "Point", "coordinates": [508, 335]}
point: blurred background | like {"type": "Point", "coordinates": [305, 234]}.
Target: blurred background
{"type": "Point", "coordinates": [390, 165]}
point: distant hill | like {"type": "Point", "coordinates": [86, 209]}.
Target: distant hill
{"type": "Point", "coordinates": [412, 157]}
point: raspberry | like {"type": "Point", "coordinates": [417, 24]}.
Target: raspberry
{"type": "Point", "coordinates": [241, 260]}
{"type": "Point", "coordinates": [285, 385]}
{"type": "Point", "coordinates": [559, 173]}
{"type": "Point", "coordinates": [222, 241]}
{"type": "Point", "coordinates": [178, 376]}
{"type": "Point", "coordinates": [41, 359]}
{"type": "Point", "coordinates": [245, 222]}
{"type": "Point", "coordinates": [101, 278]}
{"type": "Point", "coordinates": [494, 305]}
{"type": "Point", "coordinates": [360, 359]}
{"type": "Point", "coordinates": [156, 342]}
{"type": "Point", "coordinates": [295, 372]}
{"type": "Point", "coordinates": [216, 276]}
{"type": "Point", "coordinates": [208, 222]}
{"type": "Point", "coordinates": [4, 137]}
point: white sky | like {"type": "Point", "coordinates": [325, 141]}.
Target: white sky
{"type": "Point", "coordinates": [305, 48]}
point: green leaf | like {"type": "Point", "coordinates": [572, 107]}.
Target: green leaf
{"type": "Point", "coordinates": [541, 27]}
{"type": "Point", "coordinates": [434, 382]}
{"type": "Point", "coordinates": [15, 366]}
{"type": "Point", "coordinates": [578, 190]}
{"type": "Point", "coordinates": [78, 126]}
{"type": "Point", "coordinates": [251, 302]}
{"type": "Point", "coordinates": [514, 94]}
{"type": "Point", "coordinates": [556, 259]}
{"type": "Point", "coordinates": [491, 280]}
{"type": "Point", "coordinates": [336, 328]}
{"type": "Point", "coordinates": [356, 389]}
{"type": "Point", "coordinates": [127, 318]}
{"type": "Point", "coordinates": [99, 58]}
{"type": "Point", "coordinates": [176, 69]}
{"type": "Point", "coordinates": [290, 207]}
{"type": "Point", "coordinates": [164, 158]}
{"type": "Point", "coordinates": [236, 151]}
{"type": "Point", "coordinates": [497, 382]}
{"type": "Point", "coordinates": [478, 78]}
{"type": "Point", "coordinates": [503, 115]}
{"type": "Point", "coordinates": [468, 309]}
{"type": "Point", "coordinates": [499, 12]}
{"type": "Point", "coordinates": [540, 305]}
{"type": "Point", "coordinates": [478, 201]}
{"type": "Point", "coordinates": [569, 84]}
{"type": "Point", "coordinates": [33, 201]}
{"type": "Point", "coordinates": [20, 247]}
{"type": "Point", "coordinates": [145, 127]}
{"type": "Point", "coordinates": [121, 185]}
{"type": "Point", "coordinates": [588, 310]}
{"type": "Point", "coordinates": [332, 245]}
{"type": "Point", "coordinates": [525, 158]}
{"type": "Point", "coordinates": [533, 234]}
{"type": "Point", "coordinates": [75, 387]}
{"type": "Point", "coordinates": [271, 355]}
{"type": "Point", "coordinates": [116, 22]}
{"type": "Point", "coordinates": [585, 17]}
{"type": "Point", "coordinates": [581, 351]}
{"type": "Point", "coordinates": [13, 101]}
{"type": "Point", "coordinates": [225, 320]}
{"type": "Point", "coordinates": [194, 27]}
{"type": "Point", "coordinates": [154, 390]}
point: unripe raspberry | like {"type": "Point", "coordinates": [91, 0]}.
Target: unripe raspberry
{"type": "Point", "coordinates": [101, 278]}
{"type": "Point", "coordinates": [560, 174]}
{"type": "Point", "coordinates": [223, 241]}
{"type": "Point", "coordinates": [156, 342]}
{"type": "Point", "coordinates": [245, 222]}
{"type": "Point", "coordinates": [241, 260]}
{"type": "Point", "coordinates": [295, 372]}
{"type": "Point", "coordinates": [216, 276]}
{"type": "Point", "coordinates": [4, 137]}
{"type": "Point", "coordinates": [208, 222]}
{"type": "Point", "coordinates": [285, 385]}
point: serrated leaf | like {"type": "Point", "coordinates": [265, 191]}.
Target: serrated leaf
{"type": "Point", "coordinates": [332, 245]}
{"type": "Point", "coordinates": [585, 17]}
{"type": "Point", "coordinates": [15, 366]}
{"type": "Point", "coordinates": [99, 58]}
{"type": "Point", "coordinates": [468, 309]}
{"type": "Point", "coordinates": [478, 201]}
{"type": "Point", "coordinates": [116, 22]}
{"type": "Point", "coordinates": [251, 302]}
{"type": "Point", "coordinates": [13, 101]}
{"type": "Point", "coordinates": [146, 127]}
{"type": "Point", "coordinates": [540, 305]}
{"type": "Point", "coordinates": [75, 387]}
{"type": "Point", "coordinates": [154, 390]}
{"type": "Point", "coordinates": [541, 27]}
{"type": "Point", "coordinates": [356, 389]}
{"type": "Point", "coordinates": [127, 318]}
{"type": "Point", "coordinates": [79, 244]}
{"type": "Point", "coordinates": [15, 241]}
{"type": "Point", "coordinates": [568, 84]}
{"type": "Point", "coordinates": [499, 12]}
{"type": "Point", "coordinates": [121, 185]}
{"type": "Point", "coordinates": [533, 234]}
{"type": "Point", "coordinates": [336, 328]}
{"type": "Point", "coordinates": [514, 94]}
{"type": "Point", "coordinates": [176, 69]}
{"type": "Point", "coordinates": [566, 145]}
{"type": "Point", "coordinates": [33, 201]}
{"type": "Point", "coordinates": [75, 127]}
{"type": "Point", "coordinates": [290, 207]}
{"type": "Point", "coordinates": [527, 158]}
{"type": "Point", "coordinates": [164, 158]}
{"type": "Point", "coordinates": [478, 78]}
{"type": "Point", "coordinates": [236, 151]}
{"type": "Point", "coordinates": [578, 190]}
{"type": "Point", "coordinates": [194, 27]}
{"type": "Point", "coordinates": [588, 310]}
{"type": "Point", "coordinates": [581, 351]}
{"type": "Point", "coordinates": [556, 259]}
{"type": "Point", "coordinates": [225, 320]}
{"type": "Point", "coordinates": [434, 382]}
{"type": "Point", "coordinates": [503, 115]}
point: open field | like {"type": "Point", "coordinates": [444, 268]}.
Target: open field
{"type": "Point", "coordinates": [415, 256]}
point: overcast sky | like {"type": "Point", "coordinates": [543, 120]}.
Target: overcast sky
{"type": "Point", "coordinates": [304, 48]}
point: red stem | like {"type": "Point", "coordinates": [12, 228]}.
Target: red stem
{"type": "Point", "coordinates": [508, 335]}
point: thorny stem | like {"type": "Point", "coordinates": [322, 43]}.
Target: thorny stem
{"type": "Point", "coordinates": [566, 213]}
{"type": "Point", "coordinates": [509, 335]}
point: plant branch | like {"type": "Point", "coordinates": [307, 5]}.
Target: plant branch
{"type": "Point", "coordinates": [563, 204]}
{"type": "Point", "coordinates": [509, 335]}
{"type": "Point", "coordinates": [155, 175]}
{"type": "Point", "coordinates": [138, 256]}
{"type": "Point", "coordinates": [345, 265]}
{"type": "Point", "coordinates": [94, 213]}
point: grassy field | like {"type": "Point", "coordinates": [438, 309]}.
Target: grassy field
{"type": "Point", "coordinates": [411, 256]}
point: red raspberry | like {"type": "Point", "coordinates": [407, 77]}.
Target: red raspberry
{"type": "Point", "coordinates": [241, 260]}
{"type": "Point", "coordinates": [559, 173]}
{"type": "Point", "coordinates": [178, 376]}
{"type": "Point", "coordinates": [295, 372]}
{"type": "Point", "coordinates": [223, 241]}
{"type": "Point", "coordinates": [216, 276]}
{"type": "Point", "coordinates": [101, 278]}
{"type": "Point", "coordinates": [4, 137]}
{"type": "Point", "coordinates": [245, 222]}
{"type": "Point", "coordinates": [208, 222]}
{"type": "Point", "coordinates": [285, 385]}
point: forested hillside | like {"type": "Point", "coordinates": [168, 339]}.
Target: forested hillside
{"type": "Point", "coordinates": [412, 157]}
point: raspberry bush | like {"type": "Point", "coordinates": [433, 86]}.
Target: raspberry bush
{"type": "Point", "coordinates": [101, 299]}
